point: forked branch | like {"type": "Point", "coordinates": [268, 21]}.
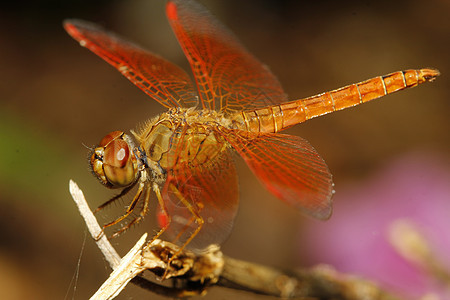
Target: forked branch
{"type": "Point", "coordinates": [196, 273]}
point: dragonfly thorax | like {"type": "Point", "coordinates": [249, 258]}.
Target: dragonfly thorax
{"type": "Point", "coordinates": [182, 136]}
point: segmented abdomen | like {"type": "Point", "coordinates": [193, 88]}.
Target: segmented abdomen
{"type": "Point", "coordinates": [282, 116]}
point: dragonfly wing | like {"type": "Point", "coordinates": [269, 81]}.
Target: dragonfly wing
{"type": "Point", "coordinates": [211, 191]}
{"type": "Point", "coordinates": [228, 77]}
{"type": "Point", "coordinates": [160, 79]}
{"type": "Point", "coordinates": [290, 168]}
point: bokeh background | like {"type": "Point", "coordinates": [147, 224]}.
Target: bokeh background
{"type": "Point", "coordinates": [56, 97]}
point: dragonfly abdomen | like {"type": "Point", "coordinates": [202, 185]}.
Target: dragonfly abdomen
{"type": "Point", "coordinates": [282, 116]}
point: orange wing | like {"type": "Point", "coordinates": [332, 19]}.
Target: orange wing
{"type": "Point", "coordinates": [228, 77]}
{"type": "Point", "coordinates": [210, 191]}
{"type": "Point", "coordinates": [163, 81]}
{"type": "Point", "coordinates": [289, 167]}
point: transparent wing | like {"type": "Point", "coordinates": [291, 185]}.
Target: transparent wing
{"type": "Point", "coordinates": [289, 167]}
{"type": "Point", "coordinates": [163, 81]}
{"type": "Point", "coordinates": [228, 77]}
{"type": "Point", "coordinates": [211, 192]}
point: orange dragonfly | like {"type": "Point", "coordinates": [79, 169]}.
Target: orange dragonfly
{"type": "Point", "coordinates": [184, 155]}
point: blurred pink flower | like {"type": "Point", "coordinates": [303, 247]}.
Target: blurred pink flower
{"type": "Point", "coordinates": [355, 240]}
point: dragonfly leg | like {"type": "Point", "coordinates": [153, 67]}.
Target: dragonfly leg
{"type": "Point", "coordinates": [195, 217]}
{"type": "Point", "coordinates": [163, 208]}
{"type": "Point", "coordinates": [121, 194]}
{"type": "Point", "coordinates": [139, 218]}
{"type": "Point", "coordinates": [186, 226]}
{"type": "Point", "coordinates": [129, 210]}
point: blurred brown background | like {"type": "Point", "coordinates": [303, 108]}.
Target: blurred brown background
{"type": "Point", "coordinates": [57, 97]}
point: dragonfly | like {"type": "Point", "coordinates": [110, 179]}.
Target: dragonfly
{"type": "Point", "coordinates": [184, 156]}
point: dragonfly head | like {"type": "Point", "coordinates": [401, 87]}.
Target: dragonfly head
{"type": "Point", "coordinates": [113, 161]}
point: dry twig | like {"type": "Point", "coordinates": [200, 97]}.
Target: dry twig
{"type": "Point", "coordinates": [198, 272]}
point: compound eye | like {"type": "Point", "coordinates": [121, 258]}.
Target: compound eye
{"type": "Point", "coordinates": [113, 161]}
{"type": "Point", "coordinates": [114, 135]}
{"type": "Point", "coordinates": [119, 163]}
